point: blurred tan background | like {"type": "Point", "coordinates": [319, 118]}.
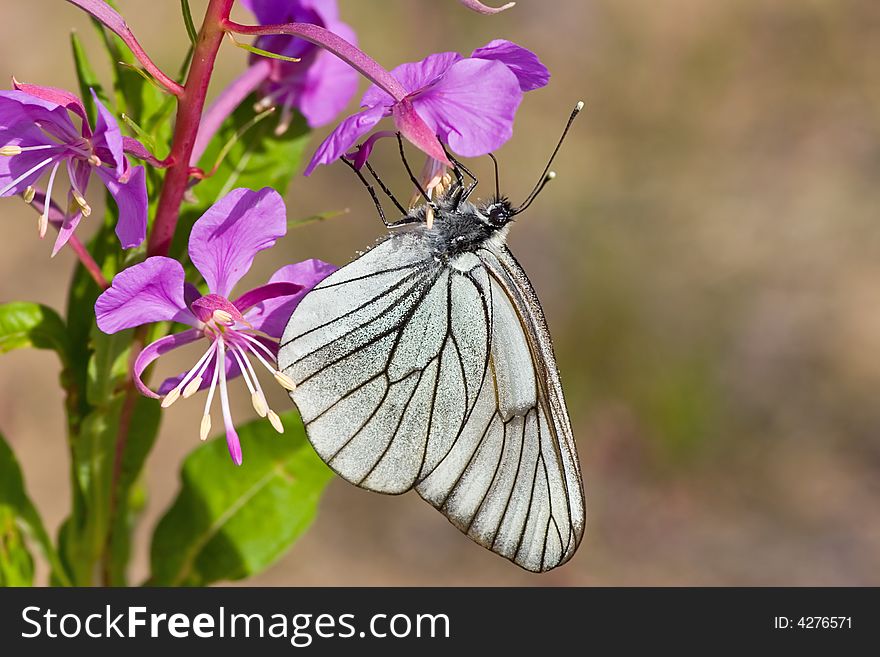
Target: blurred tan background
{"type": "Point", "coordinates": [709, 262]}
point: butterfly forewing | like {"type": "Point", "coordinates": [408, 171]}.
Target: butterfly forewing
{"type": "Point", "coordinates": [412, 372]}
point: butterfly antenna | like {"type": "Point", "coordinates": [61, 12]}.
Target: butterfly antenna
{"type": "Point", "coordinates": [497, 183]}
{"type": "Point", "coordinates": [547, 175]}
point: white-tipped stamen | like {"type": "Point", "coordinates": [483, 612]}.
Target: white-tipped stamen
{"type": "Point", "coordinates": [27, 173]}
{"type": "Point", "coordinates": [171, 397]}
{"type": "Point", "coordinates": [429, 216]}
{"type": "Point", "coordinates": [81, 202]}
{"type": "Point", "coordinates": [43, 223]}
{"type": "Point", "coordinates": [285, 120]}
{"type": "Point", "coordinates": [275, 421]}
{"type": "Point", "coordinates": [186, 385]}
{"type": "Point", "coordinates": [241, 366]}
{"type": "Point", "coordinates": [579, 106]}
{"type": "Point", "coordinates": [94, 160]}
{"type": "Point", "coordinates": [205, 428]}
{"type": "Point", "coordinates": [192, 387]}
{"type": "Point", "coordinates": [258, 399]}
{"type": "Point", "coordinates": [255, 342]}
{"type": "Point", "coordinates": [10, 150]}
{"type": "Point", "coordinates": [29, 193]}
{"type": "Point", "coordinates": [224, 393]}
{"type": "Point", "coordinates": [258, 390]}
{"type": "Point", "coordinates": [285, 381]}
{"type": "Point", "coordinates": [213, 386]}
{"type": "Point", "coordinates": [551, 175]}
{"type": "Point", "coordinates": [222, 317]}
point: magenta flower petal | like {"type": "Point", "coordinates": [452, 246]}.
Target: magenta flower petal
{"type": "Point", "coordinates": [225, 239]}
{"type": "Point", "coordinates": [155, 349]}
{"type": "Point", "coordinates": [67, 228]}
{"type": "Point", "coordinates": [17, 108]}
{"type": "Point", "coordinates": [151, 291]}
{"type": "Point", "coordinates": [413, 126]}
{"type": "Point", "coordinates": [107, 139]}
{"type": "Point", "coordinates": [344, 136]}
{"type": "Point", "coordinates": [414, 76]}
{"type": "Point", "coordinates": [456, 108]}
{"type": "Point", "coordinates": [131, 199]}
{"type": "Point", "coordinates": [526, 66]}
{"type": "Point", "coordinates": [55, 96]}
{"type": "Point", "coordinates": [271, 314]}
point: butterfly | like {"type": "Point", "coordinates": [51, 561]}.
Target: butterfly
{"type": "Point", "coordinates": [426, 363]}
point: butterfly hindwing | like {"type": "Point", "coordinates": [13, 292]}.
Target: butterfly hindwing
{"type": "Point", "coordinates": [440, 376]}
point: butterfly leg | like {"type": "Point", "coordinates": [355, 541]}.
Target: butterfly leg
{"type": "Point", "coordinates": [385, 189]}
{"type": "Point", "coordinates": [370, 190]}
{"type": "Point", "coordinates": [457, 170]}
{"type": "Point", "coordinates": [415, 181]}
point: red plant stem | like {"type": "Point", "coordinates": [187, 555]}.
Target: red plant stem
{"type": "Point", "coordinates": [88, 262]}
{"type": "Point", "coordinates": [357, 59]}
{"type": "Point", "coordinates": [189, 114]}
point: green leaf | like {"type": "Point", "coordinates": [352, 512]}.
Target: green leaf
{"type": "Point", "coordinates": [25, 324]}
{"type": "Point", "coordinates": [16, 562]}
{"type": "Point", "coordinates": [188, 22]}
{"type": "Point", "coordinates": [87, 78]}
{"type": "Point", "coordinates": [231, 522]}
{"type": "Point", "coordinates": [17, 509]}
{"type": "Point", "coordinates": [257, 158]}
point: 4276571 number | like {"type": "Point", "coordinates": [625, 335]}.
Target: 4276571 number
{"type": "Point", "coordinates": [813, 623]}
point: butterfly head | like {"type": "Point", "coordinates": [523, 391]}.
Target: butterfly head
{"type": "Point", "coordinates": [499, 212]}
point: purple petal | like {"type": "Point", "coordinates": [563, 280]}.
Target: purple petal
{"type": "Point", "coordinates": [131, 199]}
{"type": "Point", "coordinates": [17, 108]}
{"type": "Point", "coordinates": [55, 96]}
{"type": "Point", "coordinates": [67, 228]}
{"type": "Point", "coordinates": [107, 140]}
{"type": "Point", "coordinates": [151, 291]}
{"type": "Point", "coordinates": [526, 66]}
{"type": "Point", "coordinates": [329, 83]}
{"type": "Point", "coordinates": [414, 76]}
{"type": "Point", "coordinates": [344, 136]}
{"type": "Point", "coordinates": [21, 171]}
{"type": "Point", "coordinates": [155, 349]}
{"type": "Point", "coordinates": [361, 154]}
{"type": "Point", "coordinates": [412, 126]}
{"type": "Point", "coordinates": [456, 108]}
{"type": "Point", "coordinates": [270, 315]}
{"type": "Point", "coordinates": [225, 239]}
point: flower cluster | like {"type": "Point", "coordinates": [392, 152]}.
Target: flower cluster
{"type": "Point", "coordinates": [304, 61]}
{"type": "Point", "coordinates": [38, 135]}
{"type": "Point", "coordinates": [238, 331]}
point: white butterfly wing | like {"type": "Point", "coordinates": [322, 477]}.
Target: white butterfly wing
{"type": "Point", "coordinates": [412, 373]}
{"type": "Point", "coordinates": [512, 481]}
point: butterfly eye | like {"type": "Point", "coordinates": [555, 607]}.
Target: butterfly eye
{"type": "Point", "coordinates": [499, 214]}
